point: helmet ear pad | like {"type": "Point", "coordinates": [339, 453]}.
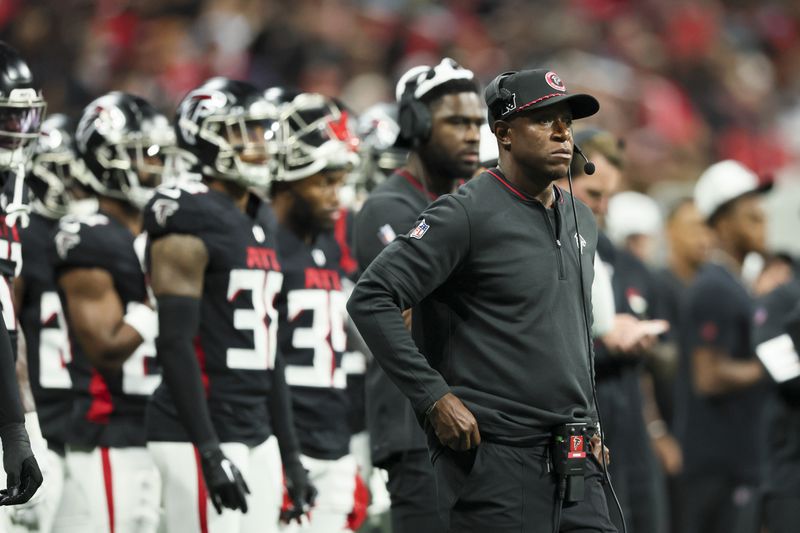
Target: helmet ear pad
{"type": "Point", "coordinates": [414, 118]}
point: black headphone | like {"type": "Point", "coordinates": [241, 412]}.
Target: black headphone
{"type": "Point", "coordinates": [413, 116]}
{"type": "Point", "coordinates": [496, 93]}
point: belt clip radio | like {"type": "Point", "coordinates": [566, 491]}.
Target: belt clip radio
{"type": "Point", "coordinates": [568, 449]}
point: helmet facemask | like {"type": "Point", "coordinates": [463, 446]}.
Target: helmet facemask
{"type": "Point", "coordinates": [246, 142]}
{"type": "Point", "coordinates": [315, 136]}
{"type": "Point", "coordinates": [21, 115]}
{"type": "Point", "coordinates": [137, 161]}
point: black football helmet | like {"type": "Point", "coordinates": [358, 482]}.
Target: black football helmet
{"type": "Point", "coordinates": [226, 128]}
{"type": "Point", "coordinates": [56, 170]}
{"type": "Point", "coordinates": [22, 109]}
{"type": "Point", "coordinates": [316, 134]}
{"type": "Point", "coordinates": [124, 142]}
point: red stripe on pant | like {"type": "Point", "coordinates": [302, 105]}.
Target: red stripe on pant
{"type": "Point", "coordinates": [104, 455]}
{"type": "Point", "coordinates": [202, 497]}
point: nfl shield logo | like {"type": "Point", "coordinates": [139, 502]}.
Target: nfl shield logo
{"type": "Point", "coordinates": [420, 230]}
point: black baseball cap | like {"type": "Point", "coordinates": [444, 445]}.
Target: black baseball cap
{"type": "Point", "coordinates": [514, 92]}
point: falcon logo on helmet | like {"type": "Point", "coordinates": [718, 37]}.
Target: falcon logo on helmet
{"type": "Point", "coordinates": [124, 141]}
{"type": "Point", "coordinates": [226, 130]}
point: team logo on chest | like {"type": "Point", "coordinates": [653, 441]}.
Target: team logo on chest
{"type": "Point", "coordinates": [258, 233]}
{"type": "Point", "coordinates": [319, 257]}
{"type": "Point", "coordinates": [580, 242]}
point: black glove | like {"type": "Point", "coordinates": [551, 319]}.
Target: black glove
{"type": "Point", "coordinates": [22, 471]}
{"type": "Point", "coordinates": [302, 492]}
{"type": "Point", "coordinates": [225, 484]}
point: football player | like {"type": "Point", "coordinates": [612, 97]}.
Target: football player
{"type": "Point", "coordinates": [223, 414]}
{"type": "Point", "coordinates": [55, 172]}
{"type": "Point", "coordinates": [121, 139]}
{"type": "Point", "coordinates": [316, 151]}
{"type": "Point", "coordinates": [21, 111]}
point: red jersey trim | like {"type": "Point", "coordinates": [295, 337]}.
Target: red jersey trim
{"type": "Point", "coordinates": [201, 359]}
{"type": "Point", "coordinates": [101, 407]}
{"type": "Point", "coordinates": [109, 486]}
{"type": "Point", "coordinates": [202, 494]}
{"type": "Point", "coordinates": [348, 264]}
{"type": "Point", "coordinates": [416, 183]}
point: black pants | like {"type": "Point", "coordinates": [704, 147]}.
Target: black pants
{"type": "Point", "coordinates": [412, 488]}
{"type": "Point", "coordinates": [782, 515]}
{"type": "Point", "coordinates": [716, 504]}
{"type": "Point", "coordinates": [504, 489]}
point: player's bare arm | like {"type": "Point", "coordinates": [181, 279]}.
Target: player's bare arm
{"type": "Point", "coordinates": [716, 372]}
{"type": "Point", "coordinates": [96, 315]}
{"type": "Point", "coordinates": [178, 264]}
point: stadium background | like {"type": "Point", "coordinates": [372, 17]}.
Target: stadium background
{"type": "Point", "coordinates": [683, 82]}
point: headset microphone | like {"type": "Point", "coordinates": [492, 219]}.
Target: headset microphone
{"type": "Point", "coordinates": [588, 166]}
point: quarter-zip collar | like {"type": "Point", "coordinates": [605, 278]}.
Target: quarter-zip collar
{"type": "Point", "coordinates": [558, 195]}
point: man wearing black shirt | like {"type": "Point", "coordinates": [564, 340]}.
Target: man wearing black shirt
{"type": "Point", "coordinates": [778, 321]}
{"type": "Point", "coordinates": [719, 403]}
{"type": "Point", "coordinates": [440, 157]}
{"type": "Point", "coordinates": [501, 265]}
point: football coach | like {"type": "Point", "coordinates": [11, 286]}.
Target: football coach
{"type": "Point", "coordinates": [501, 370]}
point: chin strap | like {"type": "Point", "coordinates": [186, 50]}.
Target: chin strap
{"type": "Point", "coordinates": [17, 211]}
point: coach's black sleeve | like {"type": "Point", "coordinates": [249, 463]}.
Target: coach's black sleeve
{"type": "Point", "coordinates": [403, 274]}
{"type": "Point", "coordinates": [178, 321]}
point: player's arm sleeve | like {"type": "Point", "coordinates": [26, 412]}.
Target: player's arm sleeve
{"type": "Point", "coordinates": [178, 321]}
{"type": "Point", "coordinates": [603, 308]}
{"type": "Point", "coordinates": [403, 274]}
{"type": "Point", "coordinates": [280, 407]}
{"type": "Point", "coordinates": [381, 218]}
{"type": "Point", "coordinates": [10, 403]}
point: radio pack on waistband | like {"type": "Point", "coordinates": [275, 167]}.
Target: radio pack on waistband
{"type": "Point", "coordinates": [568, 451]}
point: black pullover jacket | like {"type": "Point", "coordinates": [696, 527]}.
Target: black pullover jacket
{"type": "Point", "coordinates": [508, 335]}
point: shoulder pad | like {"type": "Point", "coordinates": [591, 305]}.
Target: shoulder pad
{"type": "Point", "coordinates": [77, 241]}
{"type": "Point", "coordinates": [179, 209]}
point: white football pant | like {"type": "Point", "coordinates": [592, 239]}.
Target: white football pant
{"type": "Point", "coordinates": [335, 481]}
{"type": "Point", "coordinates": [187, 508]}
{"type": "Point", "coordinates": [121, 487]}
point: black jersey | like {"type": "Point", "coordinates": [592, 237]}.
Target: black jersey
{"type": "Point", "coordinates": [312, 340]}
{"type": "Point", "coordinates": [720, 433]}
{"type": "Point", "coordinates": [108, 407]}
{"type": "Point", "coordinates": [237, 338]}
{"type": "Point", "coordinates": [10, 267]}
{"type": "Point", "coordinates": [42, 320]}
{"type": "Point", "coordinates": [10, 260]}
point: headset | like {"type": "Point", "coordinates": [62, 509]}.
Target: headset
{"type": "Point", "coordinates": [413, 116]}
{"type": "Point", "coordinates": [496, 93]}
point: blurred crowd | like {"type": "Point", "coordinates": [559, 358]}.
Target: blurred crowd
{"type": "Point", "coordinates": [685, 82]}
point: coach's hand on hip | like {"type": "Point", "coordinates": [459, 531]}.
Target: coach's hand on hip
{"type": "Point", "coordinates": [454, 424]}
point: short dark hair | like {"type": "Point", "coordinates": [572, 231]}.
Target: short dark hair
{"type": "Point", "coordinates": [594, 142]}
{"type": "Point", "coordinates": [676, 206]}
{"type": "Point", "coordinates": [449, 87]}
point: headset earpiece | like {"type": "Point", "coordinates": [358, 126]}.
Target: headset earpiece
{"type": "Point", "coordinates": [497, 94]}
{"type": "Point", "coordinates": [414, 117]}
